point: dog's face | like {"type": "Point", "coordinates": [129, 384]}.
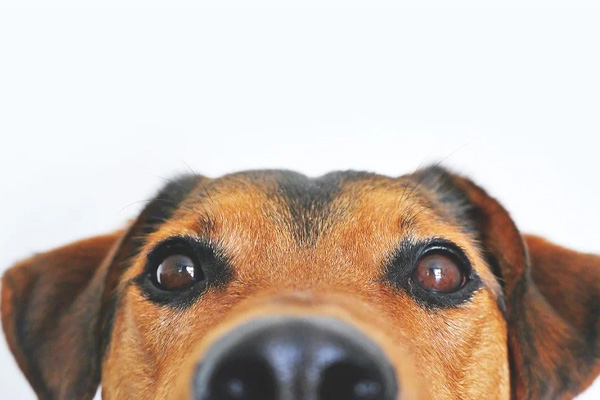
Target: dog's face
{"type": "Point", "coordinates": [269, 285]}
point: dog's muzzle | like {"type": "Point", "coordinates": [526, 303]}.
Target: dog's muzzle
{"type": "Point", "coordinates": [295, 358]}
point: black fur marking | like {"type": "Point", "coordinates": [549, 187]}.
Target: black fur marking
{"type": "Point", "coordinates": [440, 183]}
{"type": "Point", "coordinates": [107, 316]}
{"type": "Point", "coordinates": [493, 263]}
{"type": "Point", "coordinates": [164, 204]}
{"type": "Point", "coordinates": [309, 201]}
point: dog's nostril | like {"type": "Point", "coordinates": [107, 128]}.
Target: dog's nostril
{"type": "Point", "coordinates": [349, 381]}
{"type": "Point", "coordinates": [243, 379]}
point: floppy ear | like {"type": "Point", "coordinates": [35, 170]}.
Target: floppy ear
{"type": "Point", "coordinates": [57, 306]}
{"type": "Point", "coordinates": [568, 287]}
{"type": "Point", "coordinates": [50, 316]}
{"type": "Point", "coordinates": [552, 294]}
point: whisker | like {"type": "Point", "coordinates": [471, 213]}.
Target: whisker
{"type": "Point", "coordinates": [134, 203]}
{"type": "Point", "coordinates": [178, 184]}
{"type": "Point", "coordinates": [423, 176]}
{"type": "Point", "coordinates": [411, 178]}
{"type": "Point", "coordinates": [199, 178]}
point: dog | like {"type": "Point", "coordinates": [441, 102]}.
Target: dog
{"type": "Point", "coordinates": [268, 285]}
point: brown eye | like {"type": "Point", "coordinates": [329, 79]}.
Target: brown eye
{"type": "Point", "coordinates": [439, 273]}
{"type": "Point", "coordinates": [177, 272]}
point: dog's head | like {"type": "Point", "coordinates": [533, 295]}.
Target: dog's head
{"type": "Point", "coordinates": [269, 285]}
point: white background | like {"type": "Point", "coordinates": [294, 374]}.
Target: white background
{"type": "Point", "coordinates": [99, 102]}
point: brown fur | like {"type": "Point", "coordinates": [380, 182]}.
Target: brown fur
{"type": "Point", "coordinates": [74, 317]}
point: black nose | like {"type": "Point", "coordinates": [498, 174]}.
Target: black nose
{"type": "Point", "coordinates": [290, 358]}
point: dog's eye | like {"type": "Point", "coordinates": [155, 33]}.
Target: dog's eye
{"type": "Point", "coordinates": [180, 269]}
{"type": "Point", "coordinates": [436, 273]}
{"type": "Point", "coordinates": [177, 272]}
{"type": "Point", "coordinates": [439, 272]}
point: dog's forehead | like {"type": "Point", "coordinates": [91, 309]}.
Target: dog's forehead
{"type": "Point", "coordinates": [298, 206]}
{"type": "Point", "coordinates": [302, 193]}
{"type": "Point", "coordinates": [306, 207]}
{"type": "Point", "coordinates": [311, 205]}
{"type": "Point", "coordinates": [275, 219]}
{"type": "Point", "coordinates": [289, 206]}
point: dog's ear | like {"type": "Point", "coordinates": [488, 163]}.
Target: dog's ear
{"type": "Point", "coordinates": [552, 294]}
{"type": "Point", "coordinates": [50, 316]}
{"type": "Point", "coordinates": [567, 287]}
{"type": "Point", "coordinates": [57, 306]}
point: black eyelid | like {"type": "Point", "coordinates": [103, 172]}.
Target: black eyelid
{"type": "Point", "coordinates": [449, 248]}
{"type": "Point", "coordinates": [404, 261]}
{"type": "Point", "coordinates": [204, 254]}
{"type": "Point", "coordinates": [174, 245]}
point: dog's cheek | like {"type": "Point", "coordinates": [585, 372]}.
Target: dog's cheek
{"type": "Point", "coordinates": [127, 372]}
{"type": "Point", "coordinates": [150, 343]}
{"type": "Point", "coordinates": [486, 368]}
{"type": "Point", "coordinates": [458, 353]}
